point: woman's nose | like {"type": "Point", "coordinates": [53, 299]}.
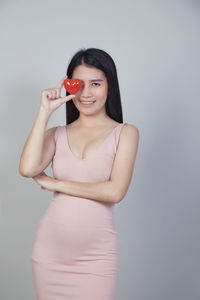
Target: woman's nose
{"type": "Point", "coordinates": [85, 92]}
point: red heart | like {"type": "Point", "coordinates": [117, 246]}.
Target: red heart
{"type": "Point", "coordinates": [72, 85]}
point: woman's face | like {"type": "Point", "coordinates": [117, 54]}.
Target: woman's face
{"type": "Point", "coordinates": [94, 88]}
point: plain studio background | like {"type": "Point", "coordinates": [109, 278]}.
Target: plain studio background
{"type": "Point", "coordinates": [155, 45]}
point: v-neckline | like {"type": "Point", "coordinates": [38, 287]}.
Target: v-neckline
{"type": "Point", "coordinates": [94, 150]}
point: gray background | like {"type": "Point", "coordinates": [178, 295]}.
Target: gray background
{"type": "Point", "coordinates": [155, 45]}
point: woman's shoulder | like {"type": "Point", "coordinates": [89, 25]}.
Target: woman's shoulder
{"type": "Point", "coordinates": [130, 130]}
{"type": "Point", "coordinates": [130, 126]}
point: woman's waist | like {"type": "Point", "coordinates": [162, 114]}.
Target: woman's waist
{"type": "Point", "coordinates": [80, 211]}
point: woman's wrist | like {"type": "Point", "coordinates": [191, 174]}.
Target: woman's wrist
{"type": "Point", "coordinates": [61, 186]}
{"type": "Point", "coordinates": [44, 113]}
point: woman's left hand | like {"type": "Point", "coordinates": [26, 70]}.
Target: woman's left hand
{"type": "Point", "coordinates": [46, 182]}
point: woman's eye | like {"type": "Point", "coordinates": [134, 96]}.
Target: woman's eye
{"type": "Point", "coordinates": [96, 83]}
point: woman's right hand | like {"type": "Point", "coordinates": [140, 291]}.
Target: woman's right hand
{"type": "Point", "coordinates": [51, 99]}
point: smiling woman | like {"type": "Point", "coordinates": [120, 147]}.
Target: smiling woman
{"type": "Point", "coordinates": [76, 252]}
{"type": "Point", "coordinates": [89, 66]}
{"type": "Point", "coordinates": [93, 91]}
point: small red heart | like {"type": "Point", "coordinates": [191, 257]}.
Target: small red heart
{"type": "Point", "coordinates": [72, 85]}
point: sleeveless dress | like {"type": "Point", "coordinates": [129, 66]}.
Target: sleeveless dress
{"type": "Point", "coordinates": [76, 252]}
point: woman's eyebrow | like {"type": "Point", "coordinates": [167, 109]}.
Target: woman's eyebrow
{"type": "Point", "coordinates": [97, 80]}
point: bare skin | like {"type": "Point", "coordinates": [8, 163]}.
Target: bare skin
{"type": "Point", "coordinates": [93, 124]}
{"type": "Point", "coordinates": [40, 146]}
{"type": "Point", "coordinates": [84, 135]}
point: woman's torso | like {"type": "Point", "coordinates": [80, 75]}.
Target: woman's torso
{"type": "Point", "coordinates": [95, 167]}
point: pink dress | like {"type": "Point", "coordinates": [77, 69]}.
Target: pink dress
{"type": "Point", "coordinates": [76, 252]}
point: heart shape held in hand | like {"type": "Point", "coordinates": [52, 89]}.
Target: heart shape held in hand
{"type": "Point", "coordinates": [72, 85]}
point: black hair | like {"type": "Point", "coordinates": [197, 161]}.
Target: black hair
{"type": "Point", "coordinates": [103, 61]}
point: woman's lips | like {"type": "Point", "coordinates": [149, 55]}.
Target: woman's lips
{"type": "Point", "coordinates": [85, 104]}
{"type": "Point", "coordinates": [87, 100]}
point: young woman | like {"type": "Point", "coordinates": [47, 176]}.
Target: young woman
{"type": "Point", "coordinates": [76, 251]}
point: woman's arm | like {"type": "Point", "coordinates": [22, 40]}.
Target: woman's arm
{"type": "Point", "coordinates": [40, 146]}
{"type": "Point", "coordinates": [32, 154]}
{"type": "Point", "coordinates": [100, 191]}
{"type": "Point", "coordinates": [112, 191]}
{"type": "Point", "coordinates": [115, 189]}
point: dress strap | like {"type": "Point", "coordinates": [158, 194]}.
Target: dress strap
{"type": "Point", "coordinates": [57, 133]}
{"type": "Point", "coordinates": [117, 134]}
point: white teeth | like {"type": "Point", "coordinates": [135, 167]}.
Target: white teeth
{"type": "Point", "coordinates": [87, 102]}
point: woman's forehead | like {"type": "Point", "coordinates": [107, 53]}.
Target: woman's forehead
{"type": "Point", "coordinates": [88, 73]}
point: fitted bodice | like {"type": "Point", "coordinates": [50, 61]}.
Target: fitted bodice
{"type": "Point", "coordinates": [96, 167]}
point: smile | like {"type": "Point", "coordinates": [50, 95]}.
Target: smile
{"type": "Point", "coordinates": [87, 102]}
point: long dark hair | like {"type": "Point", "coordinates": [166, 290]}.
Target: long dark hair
{"type": "Point", "coordinates": [103, 61]}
